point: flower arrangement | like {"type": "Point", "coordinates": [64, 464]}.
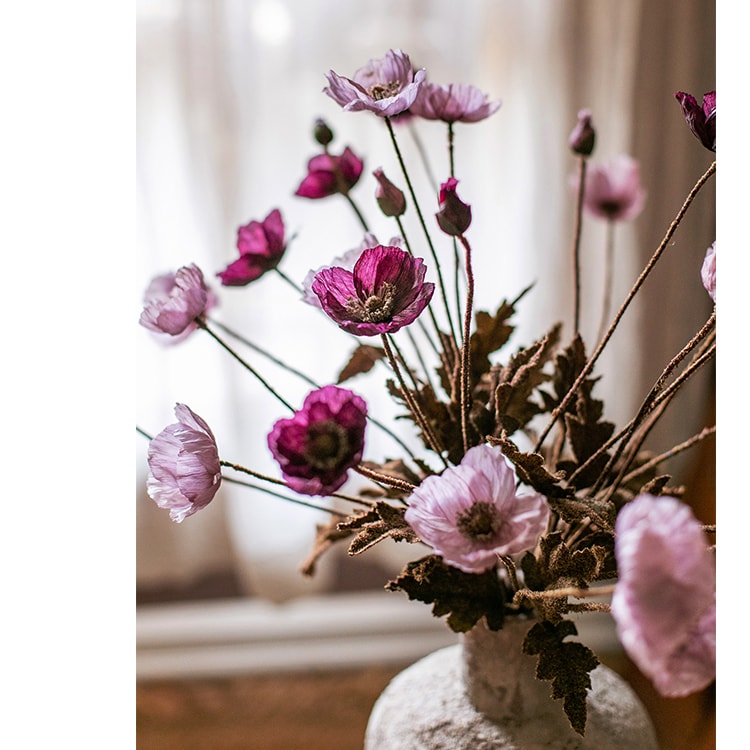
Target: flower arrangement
{"type": "Point", "coordinates": [523, 499]}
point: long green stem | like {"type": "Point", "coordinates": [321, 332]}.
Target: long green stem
{"type": "Point", "coordinates": [410, 187]}
{"type": "Point", "coordinates": [356, 210]}
{"type": "Point", "coordinates": [202, 324]}
{"type": "Point", "coordinates": [560, 409]}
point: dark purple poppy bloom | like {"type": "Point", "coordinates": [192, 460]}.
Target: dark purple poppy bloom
{"type": "Point", "coordinates": [261, 245]}
{"type": "Point", "coordinates": [700, 119]}
{"type": "Point", "coordinates": [323, 440]}
{"type": "Point", "coordinates": [387, 86]}
{"type": "Point", "coordinates": [456, 102]}
{"type": "Point", "coordinates": [328, 175]}
{"type": "Point", "coordinates": [384, 291]}
{"type": "Point", "coordinates": [184, 468]}
{"type": "Point", "coordinates": [454, 216]}
{"type": "Point", "coordinates": [173, 302]}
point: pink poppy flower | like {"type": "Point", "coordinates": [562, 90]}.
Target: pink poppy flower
{"type": "Point", "coordinates": [664, 603]}
{"type": "Point", "coordinates": [708, 271]}
{"type": "Point", "coordinates": [471, 513]}
{"type": "Point", "coordinates": [453, 216]}
{"type": "Point", "coordinates": [456, 102]}
{"type": "Point", "coordinates": [323, 440]}
{"type": "Point", "coordinates": [184, 467]}
{"type": "Point", "coordinates": [613, 190]}
{"type": "Point", "coordinates": [261, 245]}
{"type": "Point", "coordinates": [386, 86]}
{"type": "Point", "coordinates": [329, 175]}
{"type": "Point", "coordinates": [700, 119]}
{"type": "Point", "coordinates": [173, 302]}
{"type": "Point", "coordinates": [384, 292]}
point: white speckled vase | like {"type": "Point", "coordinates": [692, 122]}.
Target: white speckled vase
{"type": "Point", "coordinates": [481, 694]}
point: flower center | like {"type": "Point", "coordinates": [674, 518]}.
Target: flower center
{"type": "Point", "coordinates": [376, 308]}
{"type": "Point", "coordinates": [479, 523]}
{"type": "Point", "coordinates": [383, 90]}
{"type": "Point", "coordinates": [326, 445]}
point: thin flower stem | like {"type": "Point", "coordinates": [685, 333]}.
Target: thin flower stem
{"type": "Point", "coordinates": [577, 246]}
{"type": "Point", "coordinates": [466, 348]}
{"type": "Point", "coordinates": [423, 155]}
{"type": "Point", "coordinates": [282, 483]}
{"type": "Point", "coordinates": [510, 567]}
{"type": "Point", "coordinates": [286, 498]}
{"type": "Point", "coordinates": [560, 409]}
{"type": "Point", "coordinates": [389, 481]}
{"type": "Point", "coordinates": [609, 258]}
{"type": "Point", "coordinates": [400, 357]}
{"type": "Point", "coordinates": [202, 324]}
{"type": "Point", "coordinates": [409, 185]}
{"type": "Point", "coordinates": [307, 380]}
{"type": "Point", "coordinates": [143, 432]}
{"type": "Point", "coordinates": [674, 451]}
{"type": "Point", "coordinates": [356, 210]}
{"type": "Point", "coordinates": [646, 406]}
{"type": "Point", "coordinates": [411, 403]}
{"type": "Point", "coordinates": [297, 288]}
{"type": "Point", "coordinates": [565, 591]}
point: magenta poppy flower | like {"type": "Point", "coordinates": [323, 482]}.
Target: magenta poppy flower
{"type": "Point", "coordinates": [329, 175]}
{"type": "Point", "coordinates": [664, 603]}
{"type": "Point", "coordinates": [453, 216]}
{"type": "Point", "coordinates": [173, 302]}
{"type": "Point", "coordinates": [261, 245]}
{"type": "Point", "coordinates": [386, 86]}
{"type": "Point", "coordinates": [323, 440]}
{"type": "Point", "coordinates": [708, 271]}
{"type": "Point", "coordinates": [700, 119]}
{"type": "Point", "coordinates": [456, 102]}
{"type": "Point", "coordinates": [613, 190]}
{"type": "Point", "coordinates": [473, 512]}
{"type": "Point", "coordinates": [184, 468]}
{"type": "Point", "coordinates": [384, 291]}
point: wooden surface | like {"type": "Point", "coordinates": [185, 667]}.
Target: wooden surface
{"type": "Point", "coordinates": [329, 711]}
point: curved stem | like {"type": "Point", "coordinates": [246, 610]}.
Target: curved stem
{"type": "Point", "coordinates": [356, 210]}
{"type": "Point", "coordinates": [609, 252]}
{"type": "Point", "coordinates": [638, 284]}
{"type": "Point", "coordinates": [297, 288]}
{"type": "Point", "coordinates": [466, 348]}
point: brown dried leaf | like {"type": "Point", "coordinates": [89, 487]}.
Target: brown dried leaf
{"type": "Point", "coordinates": [363, 359]}
{"type": "Point", "coordinates": [326, 536]}
{"type": "Point", "coordinates": [380, 522]}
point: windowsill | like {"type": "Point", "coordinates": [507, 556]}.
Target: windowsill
{"type": "Point", "coordinates": [228, 637]}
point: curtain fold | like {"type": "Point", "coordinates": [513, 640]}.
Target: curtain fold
{"type": "Point", "coordinates": [227, 93]}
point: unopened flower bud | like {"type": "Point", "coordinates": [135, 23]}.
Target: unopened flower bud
{"type": "Point", "coordinates": [454, 216]}
{"type": "Point", "coordinates": [322, 133]}
{"type": "Point", "coordinates": [390, 199]}
{"type": "Point", "coordinates": [583, 136]}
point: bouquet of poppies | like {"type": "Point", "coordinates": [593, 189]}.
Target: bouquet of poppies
{"type": "Point", "coordinates": [522, 499]}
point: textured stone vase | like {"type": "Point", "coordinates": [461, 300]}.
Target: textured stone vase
{"type": "Point", "coordinates": [481, 694]}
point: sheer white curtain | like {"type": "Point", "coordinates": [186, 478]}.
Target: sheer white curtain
{"type": "Point", "coordinates": [227, 94]}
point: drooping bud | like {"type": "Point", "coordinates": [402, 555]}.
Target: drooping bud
{"type": "Point", "coordinates": [582, 138]}
{"type": "Point", "coordinates": [701, 119]}
{"type": "Point", "coordinates": [322, 133]}
{"type": "Point", "coordinates": [390, 199]}
{"type": "Point", "coordinates": [454, 216]}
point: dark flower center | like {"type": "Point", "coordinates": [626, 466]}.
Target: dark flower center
{"type": "Point", "coordinates": [326, 445]}
{"type": "Point", "coordinates": [377, 308]}
{"type": "Point", "coordinates": [479, 523]}
{"type": "Point", "coordinates": [611, 208]}
{"type": "Point", "coordinates": [383, 90]}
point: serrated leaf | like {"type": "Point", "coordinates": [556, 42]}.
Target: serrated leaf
{"type": "Point", "coordinates": [363, 359]}
{"type": "Point", "coordinates": [381, 522]}
{"type": "Point", "coordinates": [464, 597]}
{"type": "Point", "coordinates": [325, 537]}
{"type": "Point", "coordinates": [566, 664]}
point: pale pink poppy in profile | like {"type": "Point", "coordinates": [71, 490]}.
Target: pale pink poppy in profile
{"type": "Point", "coordinates": [173, 302]}
{"type": "Point", "coordinates": [386, 86]}
{"type": "Point", "coordinates": [708, 271]}
{"type": "Point", "coordinates": [664, 604]}
{"type": "Point", "coordinates": [472, 513]}
{"type": "Point", "coordinates": [454, 102]}
{"type": "Point", "coordinates": [184, 468]}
